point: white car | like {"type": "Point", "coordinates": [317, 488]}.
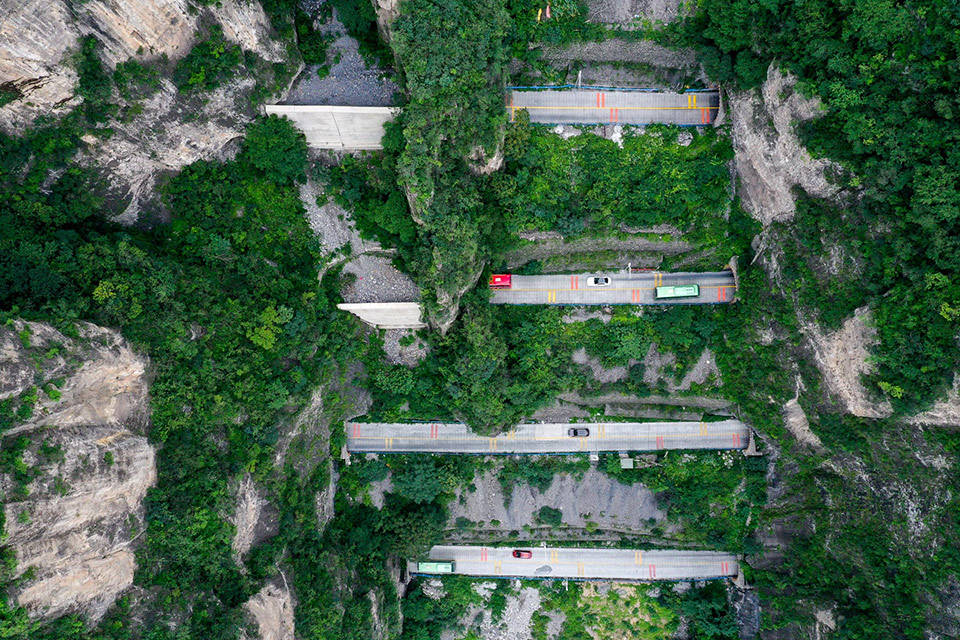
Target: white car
{"type": "Point", "coordinates": [598, 281]}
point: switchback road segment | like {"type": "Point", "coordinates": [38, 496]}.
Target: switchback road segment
{"type": "Point", "coordinates": [636, 288]}
{"type": "Point", "coordinates": [585, 564]}
{"type": "Point", "coordinates": [544, 438]}
{"type": "Point", "coordinates": [614, 106]}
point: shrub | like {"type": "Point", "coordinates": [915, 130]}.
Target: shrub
{"type": "Point", "coordinates": [550, 516]}
{"type": "Point", "coordinates": [209, 63]}
{"type": "Point", "coordinates": [136, 80]}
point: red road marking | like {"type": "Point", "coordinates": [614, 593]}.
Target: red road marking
{"type": "Point", "coordinates": [614, 115]}
{"type": "Point", "coordinates": [573, 283]}
{"type": "Point", "coordinates": [635, 295]}
{"type": "Point", "coordinates": [653, 571]}
{"type": "Point", "coordinates": [659, 442]}
{"type": "Point", "coordinates": [434, 431]}
{"type": "Point", "coordinates": [736, 439]}
{"type": "Point", "coordinates": [598, 100]}
{"type": "Point", "coordinates": [483, 555]}
{"type": "Point", "coordinates": [356, 429]}
{"type": "Point", "coordinates": [703, 116]}
{"type": "Point", "coordinates": [603, 99]}
{"type": "Point", "coordinates": [721, 294]}
{"type": "Point", "coordinates": [724, 567]}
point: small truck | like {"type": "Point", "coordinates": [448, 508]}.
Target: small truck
{"type": "Point", "coordinates": [500, 281]}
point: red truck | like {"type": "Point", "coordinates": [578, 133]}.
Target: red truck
{"type": "Point", "coordinates": [500, 281]}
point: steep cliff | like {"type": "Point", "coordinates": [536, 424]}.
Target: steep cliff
{"type": "Point", "coordinates": [161, 132]}
{"type": "Point", "coordinates": [770, 159]}
{"type": "Point", "coordinates": [73, 517]}
{"type": "Point", "coordinates": [37, 38]}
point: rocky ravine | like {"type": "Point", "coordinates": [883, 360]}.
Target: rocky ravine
{"type": "Point", "coordinates": [77, 522]}
{"type": "Point", "coordinates": [38, 37]}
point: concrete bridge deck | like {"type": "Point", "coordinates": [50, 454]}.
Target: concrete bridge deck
{"type": "Point", "coordinates": [615, 106]}
{"type": "Point", "coordinates": [336, 127]}
{"type": "Point", "coordinates": [545, 438]}
{"type": "Point", "coordinates": [624, 288]}
{"type": "Point", "coordinates": [586, 564]}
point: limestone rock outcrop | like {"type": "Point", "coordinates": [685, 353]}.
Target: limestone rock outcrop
{"type": "Point", "coordinates": [272, 612]}
{"type": "Point", "coordinates": [39, 37]}
{"type": "Point", "coordinates": [73, 526]}
{"type": "Point", "coordinates": [769, 157]}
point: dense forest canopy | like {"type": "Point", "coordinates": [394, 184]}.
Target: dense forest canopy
{"type": "Point", "coordinates": [887, 73]}
{"type": "Point", "coordinates": [225, 299]}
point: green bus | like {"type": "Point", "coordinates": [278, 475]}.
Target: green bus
{"type": "Point", "coordinates": [435, 567]}
{"type": "Point", "coordinates": [679, 291]}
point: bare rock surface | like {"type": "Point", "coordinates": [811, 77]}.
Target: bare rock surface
{"type": "Point", "coordinates": [514, 623]}
{"type": "Point", "coordinates": [37, 37]}
{"type": "Point", "coordinates": [373, 276]}
{"type": "Point", "coordinates": [945, 412]}
{"type": "Point", "coordinates": [619, 50]}
{"type": "Point", "coordinates": [601, 373]}
{"type": "Point", "coordinates": [583, 314]}
{"type": "Point", "coordinates": [796, 422]}
{"type": "Point", "coordinates": [769, 157]}
{"type": "Point", "coordinates": [109, 387]}
{"type": "Point", "coordinates": [272, 611]}
{"type": "Point", "coordinates": [548, 248]}
{"type": "Point", "coordinates": [560, 411]}
{"type": "Point", "coordinates": [594, 497]}
{"type": "Point", "coordinates": [377, 280]}
{"type": "Point", "coordinates": [842, 357]}
{"type": "Point", "coordinates": [408, 355]}
{"type": "Point", "coordinates": [659, 367]}
{"type": "Point", "coordinates": [629, 12]}
{"type": "Point", "coordinates": [617, 398]}
{"type": "Point", "coordinates": [255, 518]}
{"type": "Point", "coordinates": [387, 11]}
{"type": "Point", "coordinates": [350, 80]}
{"type": "Point", "coordinates": [77, 521]}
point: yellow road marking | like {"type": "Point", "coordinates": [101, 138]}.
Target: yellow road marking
{"type": "Point", "coordinates": [497, 567]}
{"type": "Point", "coordinates": [493, 444]}
{"type": "Point", "coordinates": [580, 569]}
{"type": "Point", "coordinates": [637, 557]}
{"type": "Point", "coordinates": [603, 431]}
{"type": "Point", "coordinates": [606, 289]}
{"type": "Point", "coordinates": [468, 438]}
{"type": "Point", "coordinates": [553, 556]}
{"type": "Point", "coordinates": [608, 107]}
{"type": "Point", "coordinates": [703, 428]}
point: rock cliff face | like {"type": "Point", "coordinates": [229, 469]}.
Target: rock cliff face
{"type": "Point", "coordinates": [38, 37]}
{"type": "Point", "coordinates": [73, 525]}
{"type": "Point", "coordinates": [272, 612]}
{"type": "Point", "coordinates": [770, 159]}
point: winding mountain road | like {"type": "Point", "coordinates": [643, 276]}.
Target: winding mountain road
{"type": "Point", "coordinates": [716, 287]}
{"type": "Point", "coordinates": [438, 437]}
{"type": "Point", "coordinates": [586, 564]}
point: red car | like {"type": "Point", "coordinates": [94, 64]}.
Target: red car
{"type": "Point", "coordinates": [521, 553]}
{"type": "Point", "coordinates": [500, 281]}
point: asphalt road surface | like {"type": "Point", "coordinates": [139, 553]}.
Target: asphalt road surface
{"type": "Point", "coordinates": [586, 564]}
{"type": "Point", "coordinates": [625, 288]}
{"type": "Point", "coordinates": [610, 106]}
{"type": "Point", "coordinates": [435, 437]}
